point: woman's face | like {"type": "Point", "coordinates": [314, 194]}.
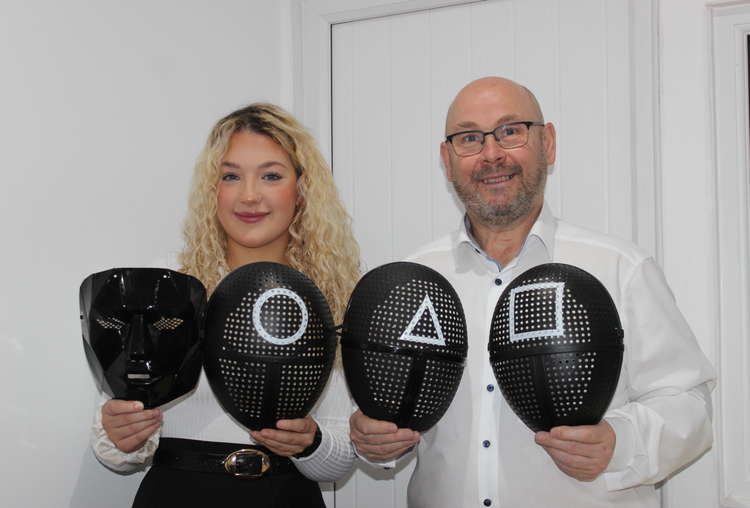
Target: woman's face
{"type": "Point", "coordinates": [257, 194]}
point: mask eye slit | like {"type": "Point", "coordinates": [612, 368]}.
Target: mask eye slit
{"type": "Point", "coordinates": [110, 323]}
{"type": "Point", "coordinates": [167, 323]}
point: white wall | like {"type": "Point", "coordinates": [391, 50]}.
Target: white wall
{"type": "Point", "coordinates": [104, 106]}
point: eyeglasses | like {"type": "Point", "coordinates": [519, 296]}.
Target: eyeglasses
{"type": "Point", "coordinates": [508, 135]}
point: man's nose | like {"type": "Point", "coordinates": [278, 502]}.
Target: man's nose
{"type": "Point", "coordinates": [491, 149]}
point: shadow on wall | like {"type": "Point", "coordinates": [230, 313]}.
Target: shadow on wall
{"type": "Point", "coordinates": [94, 479]}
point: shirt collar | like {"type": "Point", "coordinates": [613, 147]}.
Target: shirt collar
{"type": "Point", "coordinates": [544, 229]}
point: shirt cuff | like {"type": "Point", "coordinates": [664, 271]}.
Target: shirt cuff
{"type": "Point", "coordinates": [324, 449]}
{"type": "Point", "coordinates": [625, 444]}
{"type": "Point", "coordinates": [114, 458]}
{"type": "Point", "coordinates": [385, 464]}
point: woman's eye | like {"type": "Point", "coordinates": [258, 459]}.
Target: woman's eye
{"type": "Point", "coordinates": [272, 176]}
{"type": "Point", "coordinates": [229, 177]}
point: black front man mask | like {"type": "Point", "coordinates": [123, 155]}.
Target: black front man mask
{"type": "Point", "coordinates": [142, 332]}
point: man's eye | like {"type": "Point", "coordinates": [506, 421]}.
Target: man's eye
{"type": "Point", "coordinates": [168, 323]}
{"type": "Point", "coordinates": [110, 323]}
{"type": "Point", "coordinates": [511, 130]}
{"type": "Point", "coordinates": [469, 137]}
{"type": "Point", "coordinates": [229, 177]}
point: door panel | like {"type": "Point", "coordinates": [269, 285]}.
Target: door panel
{"type": "Point", "coordinates": [393, 78]}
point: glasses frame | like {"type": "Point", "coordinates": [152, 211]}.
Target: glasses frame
{"type": "Point", "coordinates": [449, 138]}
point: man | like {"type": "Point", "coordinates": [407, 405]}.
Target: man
{"type": "Point", "coordinates": [496, 154]}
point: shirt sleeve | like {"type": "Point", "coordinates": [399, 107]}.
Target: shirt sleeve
{"type": "Point", "coordinates": [111, 456]}
{"type": "Point", "coordinates": [666, 422]}
{"type": "Point", "coordinates": [334, 458]}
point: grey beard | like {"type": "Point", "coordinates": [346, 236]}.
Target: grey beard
{"type": "Point", "coordinates": [504, 215]}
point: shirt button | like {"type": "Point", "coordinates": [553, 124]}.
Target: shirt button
{"type": "Point", "coordinates": [490, 388]}
{"type": "Point", "coordinates": [486, 443]}
{"type": "Point", "coordinates": [498, 282]}
{"type": "Point", "coordinates": [487, 502]}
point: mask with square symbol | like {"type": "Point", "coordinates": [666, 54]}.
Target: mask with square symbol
{"type": "Point", "coordinates": [556, 346]}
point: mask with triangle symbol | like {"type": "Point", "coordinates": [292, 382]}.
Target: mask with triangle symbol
{"type": "Point", "coordinates": [404, 344]}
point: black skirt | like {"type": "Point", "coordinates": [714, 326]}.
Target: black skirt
{"type": "Point", "coordinates": [165, 486]}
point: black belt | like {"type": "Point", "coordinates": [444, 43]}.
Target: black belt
{"type": "Point", "coordinates": [242, 461]}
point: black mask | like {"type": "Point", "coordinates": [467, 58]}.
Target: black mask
{"type": "Point", "coordinates": [142, 332]}
{"type": "Point", "coordinates": [270, 344]}
{"type": "Point", "coordinates": [404, 344]}
{"type": "Point", "coordinates": [556, 346]}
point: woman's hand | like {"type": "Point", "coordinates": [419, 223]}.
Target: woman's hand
{"type": "Point", "coordinates": [127, 425]}
{"type": "Point", "coordinates": [289, 437]}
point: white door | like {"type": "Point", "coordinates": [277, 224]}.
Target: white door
{"type": "Point", "coordinates": [393, 77]}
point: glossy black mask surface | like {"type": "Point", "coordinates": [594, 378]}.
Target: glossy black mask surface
{"type": "Point", "coordinates": [142, 332]}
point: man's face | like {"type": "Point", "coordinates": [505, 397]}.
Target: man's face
{"type": "Point", "coordinates": [499, 187]}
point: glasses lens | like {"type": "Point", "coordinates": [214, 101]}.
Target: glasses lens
{"type": "Point", "coordinates": [512, 135]}
{"type": "Point", "coordinates": [468, 143]}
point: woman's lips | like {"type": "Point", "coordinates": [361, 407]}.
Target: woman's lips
{"type": "Point", "coordinates": [251, 217]}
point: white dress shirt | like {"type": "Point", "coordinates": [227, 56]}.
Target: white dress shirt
{"type": "Point", "coordinates": [481, 454]}
{"type": "Point", "coordinates": [198, 415]}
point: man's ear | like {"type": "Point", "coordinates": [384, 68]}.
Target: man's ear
{"type": "Point", "coordinates": [445, 156]}
{"type": "Point", "coordinates": [549, 140]}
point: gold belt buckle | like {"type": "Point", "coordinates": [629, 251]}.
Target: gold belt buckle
{"type": "Point", "coordinates": [232, 463]}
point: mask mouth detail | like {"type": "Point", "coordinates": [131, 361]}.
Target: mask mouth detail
{"type": "Point", "coordinates": [139, 372]}
{"type": "Point", "coordinates": [140, 379]}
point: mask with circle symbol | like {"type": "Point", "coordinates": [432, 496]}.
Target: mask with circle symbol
{"type": "Point", "coordinates": [556, 346]}
{"type": "Point", "coordinates": [142, 332]}
{"type": "Point", "coordinates": [270, 344]}
{"type": "Point", "coordinates": [404, 344]}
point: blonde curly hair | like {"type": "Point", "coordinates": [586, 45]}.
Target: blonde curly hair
{"type": "Point", "coordinates": [321, 242]}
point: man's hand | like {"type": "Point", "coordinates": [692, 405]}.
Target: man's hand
{"type": "Point", "coordinates": [289, 437]}
{"type": "Point", "coordinates": [127, 425]}
{"type": "Point", "coordinates": [582, 452]}
{"type": "Point", "coordinates": [380, 440]}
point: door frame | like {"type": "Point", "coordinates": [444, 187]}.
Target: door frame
{"type": "Point", "coordinates": [729, 25]}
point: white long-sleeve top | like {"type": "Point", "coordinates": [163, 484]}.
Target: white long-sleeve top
{"type": "Point", "coordinates": [481, 454]}
{"type": "Point", "coordinates": [198, 415]}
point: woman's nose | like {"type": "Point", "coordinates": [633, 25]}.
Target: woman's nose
{"type": "Point", "coordinates": [250, 192]}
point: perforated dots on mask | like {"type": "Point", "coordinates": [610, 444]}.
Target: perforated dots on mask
{"type": "Point", "coordinates": [404, 344]}
{"type": "Point", "coordinates": [270, 344]}
{"type": "Point", "coordinates": [556, 346]}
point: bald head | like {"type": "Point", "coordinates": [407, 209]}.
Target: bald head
{"type": "Point", "coordinates": [486, 95]}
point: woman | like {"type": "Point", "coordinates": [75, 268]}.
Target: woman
{"type": "Point", "coordinates": [261, 192]}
